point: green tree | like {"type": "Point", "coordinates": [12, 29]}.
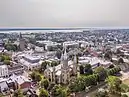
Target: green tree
{"type": "Point", "coordinates": [45, 83]}
{"type": "Point", "coordinates": [59, 91]}
{"type": "Point", "coordinates": [114, 84]}
{"type": "Point", "coordinates": [38, 77]}
{"type": "Point", "coordinates": [54, 63]}
{"type": "Point", "coordinates": [124, 88]}
{"type": "Point", "coordinates": [44, 65]}
{"type": "Point", "coordinates": [32, 75]}
{"type": "Point", "coordinates": [88, 69]}
{"type": "Point", "coordinates": [114, 70]}
{"type": "Point", "coordinates": [43, 93]}
{"type": "Point", "coordinates": [18, 93]}
{"type": "Point", "coordinates": [81, 69]}
{"type": "Point", "coordinates": [7, 62]}
{"type": "Point", "coordinates": [101, 72]}
{"type": "Point", "coordinates": [10, 47]}
{"type": "Point", "coordinates": [35, 76]}
{"type": "Point", "coordinates": [120, 61]}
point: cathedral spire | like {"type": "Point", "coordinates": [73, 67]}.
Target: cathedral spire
{"type": "Point", "coordinates": [65, 55]}
{"type": "Point", "coordinates": [65, 59]}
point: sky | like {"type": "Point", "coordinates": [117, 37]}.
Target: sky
{"type": "Point", "coordinates": [64, 13]}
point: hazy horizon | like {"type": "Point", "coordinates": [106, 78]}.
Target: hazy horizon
{"type": "Point", "coordinates": [64, 13]}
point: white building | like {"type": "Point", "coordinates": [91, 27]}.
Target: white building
{"type": "Point", "coordinates": [49, 44]}
{"type": "Point", "coordinates": [30, 61]}
{"type": "Point", "coordinates": [94, 62]}
{"type": "Point", "coordinates": [3, 71]}
{"type": "Point", "coordinates": [71, 44]}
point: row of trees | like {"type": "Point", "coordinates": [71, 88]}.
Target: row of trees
{"type": "Point", "coordinates": [100, 74]}
{"type": "Point", "coordinates": [114, 70]}
{"type": "Point", "coordinates": [83, 82]}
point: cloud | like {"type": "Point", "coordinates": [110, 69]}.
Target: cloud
{"type": "Point", "coordinates": [64, 13]}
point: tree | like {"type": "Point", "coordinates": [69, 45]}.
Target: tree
{"type": "Point", "coordinates": [88, 69]}
{"type": "Point", "coordinates": [6, 57]}
{"type": "Point", "coordinates": [45, 83]}
{"type": "Point", "coordinates": [32, 75]}
{"type": "Point", "coordinates": [114, 84]}
{"type": "Point", "coordinates": [7, 62]}
{"type": "Point", "coordinates": [81, 69]}
{"type": "Point", "coordinates": [124, 88]}
{"type": "Point", "coordinates": [10, 47]}
{"type": "Point", "coordinates": [120, 61]}
{"type": "Point", "coordinates": [113, 71]}
{"type": "Point", "coordinates": [35, 76]}
{"type": "Point", "coordinates": [101, 72]}
{"type": "Point", "coordinates": [44, 65]}
{"type": "Point", "coordinates": [111, 66]}
{"type": "Point", "coordinates": [58, 54]}
{"type": "Point", "coordinates": [18, 93]}
{"type": "Point", "coordinates": [43, 93]}
{"type": "Point", "coordinates": [59, 91]}
{"type": "Point", "coordinates": [38, 77]}
{"type": "Point", "coordinates": [54, 63]}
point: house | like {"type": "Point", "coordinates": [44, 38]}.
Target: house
{"type": "Point", "coordinates": [3, 85]}
{"type": "Point", "coordinates": [21, 81]}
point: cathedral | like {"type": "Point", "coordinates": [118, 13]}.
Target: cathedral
{"type": "Point", "coordinates": [62, 72]}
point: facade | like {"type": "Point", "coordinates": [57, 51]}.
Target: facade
{"type": "Point", "coordinates": [3, 71]}
{"type": "Point", "coordinates": [62, 72]}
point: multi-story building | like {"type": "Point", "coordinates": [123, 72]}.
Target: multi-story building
{"type": "Point", "coordinates": [30, 61]}
{"type": "Point", "coordinates": [3, 71]}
